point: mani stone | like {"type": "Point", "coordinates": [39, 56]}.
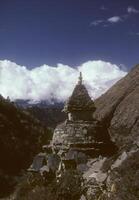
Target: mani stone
{"type": "Point", "coordinates": [80, 131]}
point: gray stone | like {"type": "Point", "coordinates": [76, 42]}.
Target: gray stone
{"type": "Point", "coordinates": [118, 109]}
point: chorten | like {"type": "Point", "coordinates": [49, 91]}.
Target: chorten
{"type": "Point", "coordinates": [80, 132]}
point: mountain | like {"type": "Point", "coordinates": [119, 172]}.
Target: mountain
{"type": "Point", "coordinates": [27, 103]}
{"type": "Point", "coordinates": [118, 109]}
{"type": "Point", "coordinates": [21, 137]}
{"type": "Point", "coordinates": [49, 113]}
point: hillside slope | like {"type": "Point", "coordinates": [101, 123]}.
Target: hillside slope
{"type": "Point", "coordinates": [20, 138]}
{"type": "Point", "coordinates": [49, 116]}
{"type": "Point", "coordinates": [118, 109]}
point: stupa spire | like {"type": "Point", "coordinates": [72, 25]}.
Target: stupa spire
{"type": "Point", "coordinates": [80, 105]}
{"type": "Point", "coordinates": [80, 81]}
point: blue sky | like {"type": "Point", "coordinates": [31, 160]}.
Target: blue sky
{"type": "Point", "coordinates": [34, 32]}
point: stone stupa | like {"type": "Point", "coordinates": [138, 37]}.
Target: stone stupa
{"type": "Point", "coordinates": [80, 132]}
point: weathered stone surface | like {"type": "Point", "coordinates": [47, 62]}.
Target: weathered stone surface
{"type": "Point", "coordinates": [75, 132]}
{"type": "Point", "coordinates": [45, 162]}
{"type": "Point", "coordinates": [118, 182]}
{"type": "Point", "coordinates": [83, 136]}
{"type": "Point", "coordinates": [118, 109]}
{"type": "Point", "coordinates": [123, 181]}
{"type": "Point", "coordinates": [38, 162]}
{"type": "Point", "coordinates": [95, 172]}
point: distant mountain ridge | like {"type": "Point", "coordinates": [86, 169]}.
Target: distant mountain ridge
{"type": "Point", "coordinates": [27, 103]}
{"type": "Point", "coordinates": [49, 113]}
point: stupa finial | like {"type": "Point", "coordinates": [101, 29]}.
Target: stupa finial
{"type": "Point", "coordinates": [80, 79]}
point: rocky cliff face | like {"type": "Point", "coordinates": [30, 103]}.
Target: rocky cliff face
{"type": "Point", "coordinates": [118, 109]}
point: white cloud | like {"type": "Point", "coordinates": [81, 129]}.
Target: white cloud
{"type": "Point", "coordinates": [45, 82]}
{"type": "Point", "coordinates": [131, 9]}
{"type": "Point", "coordinates": [114, 19]}
{"type": "Point", "coordinates": [96, 22]}
{"type": "Point", "coordinates": [105, 23]}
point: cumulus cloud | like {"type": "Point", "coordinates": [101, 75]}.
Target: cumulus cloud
{"type": "Point", "coordinates": [114, 19]}
{"type": "Point", "coordinates": [131, 10]}
{"type": "Point", "coordinates": [47, 82]}
{"type": "Point", "coordinates": [107, 22]}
